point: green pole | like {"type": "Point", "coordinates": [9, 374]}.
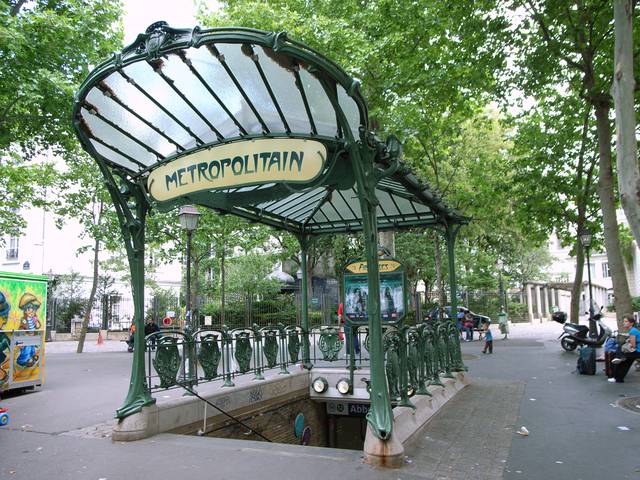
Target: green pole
{"type": "Point", "coordinates": [304, 314]}
{"type": "Point", "coordinates": [380, 415]}
{"type": "Point", "coordinates": [451, 234]}
{"type": "Point", "coordinates": [132, 207]}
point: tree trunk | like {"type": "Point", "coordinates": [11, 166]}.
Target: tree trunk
{"type": "Point", "coordinates": [607, 203]}
{"type": "Point", "coordinates": [623, 94]}
{"type": "Point", "coordinates": [92, 296]}
{"type": "Point", "coordinates": [439, 279]}
{"type": "Point", "coordinates": [576, 290]}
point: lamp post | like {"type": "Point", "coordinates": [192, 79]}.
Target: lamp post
{"type": "Point", "coordinates": [51, 283]}
{"type": "Point", "coordinates": [189, 221]}
{"type": "Point", "coordinates": [586, 236]}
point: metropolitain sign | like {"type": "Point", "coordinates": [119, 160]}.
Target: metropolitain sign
{"type": "Point", "coordinates": [249, 162]}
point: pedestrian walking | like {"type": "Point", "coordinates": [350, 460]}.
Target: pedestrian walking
{"type": "Point", "coordinates": [488, 337]}
{"type": "Point", "coordinates": [460, 321]}
{"type": "Point", "coordinates": [468, 325]}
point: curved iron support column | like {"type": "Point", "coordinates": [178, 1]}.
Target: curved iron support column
{"type": "Point", "coordinates": [304, 241]}
{"type": "Point", "coordinates": [380, 415]}
{"type": "Point", "coordinates": [132, 207]}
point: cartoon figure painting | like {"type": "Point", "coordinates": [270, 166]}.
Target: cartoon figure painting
{"type": "Point", "coordinates": [23, 305]}
{"type": "Point", "coordinates": [29, 305]}
{"type": "Point", "coordinates": [5, 341]}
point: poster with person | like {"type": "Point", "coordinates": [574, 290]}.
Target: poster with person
{"type": "Point", "coordinates": [22, 327]}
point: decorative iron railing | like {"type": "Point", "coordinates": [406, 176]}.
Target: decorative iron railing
{"type": "Point", "coordinates": [415, 356]}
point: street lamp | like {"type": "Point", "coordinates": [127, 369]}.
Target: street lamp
{"type": "Point", "coordinates": [189, 221]}
{"type": "Point", "coordinates": [51, 283]}
{"type": "Point", "coordinates": [586, 237]}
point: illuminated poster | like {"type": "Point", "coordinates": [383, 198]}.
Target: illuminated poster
{"type": "Point", "coordinates": [392, 294]}
{"type": "Point", "coordinates": [22, 325]}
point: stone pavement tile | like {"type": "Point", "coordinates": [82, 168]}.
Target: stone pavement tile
{"type": "Point", "coordinates": [470, 437]}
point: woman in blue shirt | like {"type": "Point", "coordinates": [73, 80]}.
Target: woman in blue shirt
{"type": "Point", "coordinates": [622, 365]}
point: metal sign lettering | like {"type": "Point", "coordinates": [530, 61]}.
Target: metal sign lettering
{"type": "Point", "coordinates": [250, 162]}
{"type": "Point", "coordinates": [383, 266]}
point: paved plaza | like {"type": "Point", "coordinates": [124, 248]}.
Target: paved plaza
{"type": "Point", "coordinates": [576, 428]}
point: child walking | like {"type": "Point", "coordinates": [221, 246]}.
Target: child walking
{"type": "Point", "coordinates": [488, 337]}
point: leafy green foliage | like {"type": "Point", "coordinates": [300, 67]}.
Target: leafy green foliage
{"type": "Point", "coordinates": [46, 50]}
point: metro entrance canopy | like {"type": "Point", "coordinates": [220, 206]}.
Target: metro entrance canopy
{"type": "Point", "coordinates": [256, 125]}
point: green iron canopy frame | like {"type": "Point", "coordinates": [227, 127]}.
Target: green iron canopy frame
{"type": "Point", "coordinates": [253, 124]}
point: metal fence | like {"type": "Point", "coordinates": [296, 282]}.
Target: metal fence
{"type": "Point", "coordinates": [116, 312]}
{"type": "Point", "coordinates": [415, 356]}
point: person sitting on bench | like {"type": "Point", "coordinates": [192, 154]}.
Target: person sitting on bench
{"type": "Point", "coordinates": [623, 361]}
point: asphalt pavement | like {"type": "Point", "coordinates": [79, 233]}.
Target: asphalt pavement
{"type": "Point", "coordinates": [576, 427]}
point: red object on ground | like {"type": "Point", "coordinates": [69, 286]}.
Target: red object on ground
{"type": "Point", "coordinates": [100, 339]}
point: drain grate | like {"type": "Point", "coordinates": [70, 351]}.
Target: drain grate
{"type": "Point", "coordinates": [630, 403]}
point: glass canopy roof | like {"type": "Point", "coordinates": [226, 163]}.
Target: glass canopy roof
{"type": "Point", "coordinates": [175, 94]}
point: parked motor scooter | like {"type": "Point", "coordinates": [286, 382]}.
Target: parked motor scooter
{"type": "Point", "coordinates": [574, 335]}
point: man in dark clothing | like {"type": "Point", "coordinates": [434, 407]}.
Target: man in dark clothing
{"type": "Point", "coordinates": [151, 327]}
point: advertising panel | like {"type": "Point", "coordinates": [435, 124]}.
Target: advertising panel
{"type": "Point", "coordinates": [392, 292]}
{"type": "Point", "coordinates": [23, 310]}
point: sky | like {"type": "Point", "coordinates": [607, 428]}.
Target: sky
{"type": "Point", "coordinates": [139, 14]}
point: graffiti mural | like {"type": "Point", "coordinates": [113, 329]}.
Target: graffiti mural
{"type": "Point", "coordinates": [22, 310]}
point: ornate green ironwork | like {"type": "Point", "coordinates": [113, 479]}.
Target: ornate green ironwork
{"type": "Point", "coordinates": [227, 342]}
{"type": "Point", "coordinates": [131, 208]}
{"type": "Point", "coordinates": [443, 350]}
{"type": "Point", "coordinates": [167, 361]}
{"type": "Point", "coordinates": [271, 347]}
{"type": "Point", "coordinates": [190, 358]}
{"type": "Point", "coordinates": [209, 355]}
{"type": "Point", "coordinates": [306, 346]}
{"type": "Point", "coordinates": [413, 357]}
{"type": "Point", "coordinates": [282, 341]}
{"type": "Point", "coordinates": [392, 367]}
{"type": "Point", "coordinates": [330, 344]}
{"type": "Point", "coordinates": [258, 347]}
{"type": "Point", "coordinates": [431, 357]}
{"type": "Point", "coordinates": [423, 375]}
{"type": "Point", "coordinates": [244, 351]}
{"type": "Point", "coordinates": [293, 344]}
{"type": "Point", "coordinates": [455, 353]}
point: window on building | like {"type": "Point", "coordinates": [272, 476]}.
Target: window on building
{"type": "Point", "coordinates": [592, 269]}
{"type": "Point", "coordinates": [12, 250]}
{"type": "Point", "coordinates": [605, 270]}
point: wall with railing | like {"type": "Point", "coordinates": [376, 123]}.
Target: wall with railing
{"type": "Point", "coordinates": [415, 356]}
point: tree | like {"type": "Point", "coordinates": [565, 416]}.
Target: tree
{"type": "Point", "coordinates": [623, 92]}
{"type": "Point", "coordinates": [556, 164]}
{"type": "Point", "coordinates": [46, 50]}
{"type": "Point", "coordinates": [567, 45]}
{"type": "Point", "coordinates": [248, 274]}
{"type": "Point", "coordinates": [83, 197]}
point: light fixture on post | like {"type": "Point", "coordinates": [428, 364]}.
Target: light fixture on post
{"type": "Point", "coordinates": [586, 238]}
{"type": "Point", "coordinates": [188, 221]}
